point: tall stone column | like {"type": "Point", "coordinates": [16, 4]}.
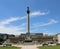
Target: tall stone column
{"type": "Point", "coordinates": [28, 21]}
{"type": "Point", "coordinates": [28, 25]}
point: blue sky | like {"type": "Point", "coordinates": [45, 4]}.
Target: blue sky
{"type": "Point", "coordinates": [44, 16]}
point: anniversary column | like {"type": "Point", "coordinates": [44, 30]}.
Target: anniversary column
{"type": "Point", "coordinates": [28, 38]}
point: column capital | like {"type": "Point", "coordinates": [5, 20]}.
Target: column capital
{"type": "Point", "coordinates": [28, 11]}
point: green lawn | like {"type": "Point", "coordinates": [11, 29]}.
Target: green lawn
{"type": "Point", "coordinates": [9, 48]}
{"type": "Point", "coordinates": [49, 47]}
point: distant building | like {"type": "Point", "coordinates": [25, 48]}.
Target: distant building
{"type": "Point", "coordinates": [58, 37]}
{"type": "Point", "coordinates": [38, 37]}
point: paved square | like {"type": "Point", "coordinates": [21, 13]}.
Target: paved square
{"type": "Point", "coordinates": [29, 47]}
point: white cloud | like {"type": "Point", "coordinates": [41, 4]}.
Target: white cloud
{"type": "Point", "coordinates": [38, 13]}
{"type": "Point", "coordinates": [52, 21]}
{"type": "Point", "coordinates": [8, 21]}
{"type": "Point", "coordinates": [9, 30]}
{"type": "Point", "coordinates": [21, 18]}
{"type": "Point", "coordinates": [12, 29]}
{"type": "Point", "coordinates": [35, 14]}
{"type": "Point", "coordinates": [12, 19]}
{"type": "Point", "coordinates": [16, 30]}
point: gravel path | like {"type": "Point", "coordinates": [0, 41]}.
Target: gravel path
{"type": "Point", "coordinates": [27, 46]}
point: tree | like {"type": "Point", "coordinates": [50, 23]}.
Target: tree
{"type": "Point", "coordinates": [1, 38]}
